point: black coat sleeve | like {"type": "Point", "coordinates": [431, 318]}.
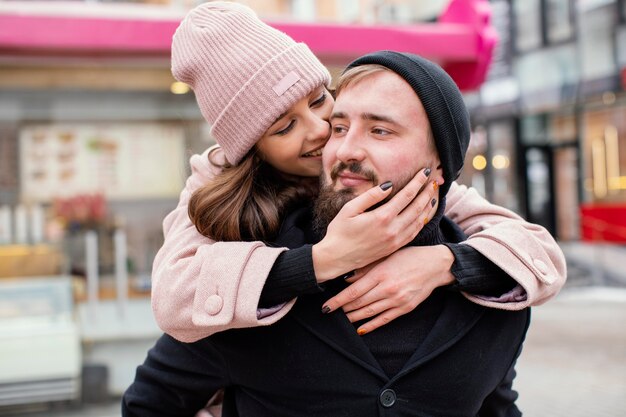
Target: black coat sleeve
{"type": "Point", "coordinates": [475, 274]}
{"type": "Point", "coordinates": [176, 379]}
{"type": "Point", "coordinates": [291, 276]}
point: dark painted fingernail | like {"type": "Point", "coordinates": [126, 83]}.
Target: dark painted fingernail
{"type": "Point", "coordinates": [325, 309]}
{"type": "Point", "coordinates": [427, 172]}
{"type": "Point", "coordinates": [433, 202]}
{"type": "Point", "coordinates": [386, 185]}
{"type": "Point", "coordinates": [347, 275]}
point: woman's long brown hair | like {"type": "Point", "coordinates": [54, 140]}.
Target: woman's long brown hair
{"type": "Point", "coordinates": [246, 202]}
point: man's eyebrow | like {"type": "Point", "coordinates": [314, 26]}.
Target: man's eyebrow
{"type": "Point", "coordinates": [365, 116]}
{"type": "Point", "coordinates": [378, 118]}
{"type": "Point", "coordinates": [338, 115]}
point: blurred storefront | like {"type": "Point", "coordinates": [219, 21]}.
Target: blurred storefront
{"type": "Point", "coordinates": [550, 117]}
{"type": "Point", "coordinates": [95, 136]}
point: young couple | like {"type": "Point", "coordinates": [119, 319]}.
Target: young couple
{"type": "Point", "coordinates": [454, 314]}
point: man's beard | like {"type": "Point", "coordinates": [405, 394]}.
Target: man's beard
{"type": "Point", "coordinates": [329, 202]}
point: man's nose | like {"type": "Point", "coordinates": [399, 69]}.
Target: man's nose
{"type": "Point", "coordinates": [351, 148]}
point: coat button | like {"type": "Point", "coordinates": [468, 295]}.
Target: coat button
{"type": "Point", "coordinates": [213, 304]}
{"type": "Point", "coordinates": [387, 398]}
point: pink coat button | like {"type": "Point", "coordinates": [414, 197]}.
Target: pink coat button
{"type": "Point", "coordinates": [213, 304]}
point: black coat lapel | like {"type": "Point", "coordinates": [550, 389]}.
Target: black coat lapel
{"type": "Point", "coordinates": [335, 330]}
{"type": "Point", "coordinates": [458, 317]}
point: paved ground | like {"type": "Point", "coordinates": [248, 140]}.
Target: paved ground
{"type": "Point", "coordinates": [574, 360]}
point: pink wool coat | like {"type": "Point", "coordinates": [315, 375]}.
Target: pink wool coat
{"type": "Point", "coordinates": [201, 287]}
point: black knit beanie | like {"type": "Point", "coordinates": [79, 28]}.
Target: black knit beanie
{"type": "Point", "coordinates": [442, 101]}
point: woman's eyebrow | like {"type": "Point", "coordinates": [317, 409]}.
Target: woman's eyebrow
{"type": "Point", "coordinates": [281, 116]}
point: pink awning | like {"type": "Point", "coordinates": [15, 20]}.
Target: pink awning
{"type": "Point", "coordinates": [461, 41]}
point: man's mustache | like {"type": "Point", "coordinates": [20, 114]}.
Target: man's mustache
{"type": "Point", "coordinates": [355, 168]}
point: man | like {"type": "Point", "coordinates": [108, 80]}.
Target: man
{"type": "Point", "coordinates": [395, 113]}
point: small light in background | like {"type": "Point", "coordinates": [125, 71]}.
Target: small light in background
{"type": "Point", "coordinates": [608, 98]}
{"type": "Point", "coordinates": [500, 162]}
{"type": "Point", "coordinates": [178, 87]}
{"type": "Point", "coordinates": [479, 162]}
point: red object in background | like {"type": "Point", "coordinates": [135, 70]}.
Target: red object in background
{"type": "Point", "coordinates": [603, 223]}
{"type": "Point", "coordinates": [624, 78]}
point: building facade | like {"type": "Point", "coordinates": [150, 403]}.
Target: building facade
{"type": "Point", "coordinates": [550, 121]}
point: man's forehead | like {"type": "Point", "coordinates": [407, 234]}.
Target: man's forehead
{"type": "Point", "coordinates": [382, 96]}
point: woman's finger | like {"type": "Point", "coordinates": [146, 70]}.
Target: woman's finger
{"type": "Point", "coordinates": [403, 198]}
{"type": "Point", "coordinates": [351, 294]}
{"type": "Point", "coordinates": [366, 200]}
{"type": "Point", "coordinates": [380, 320]}
{"type": "Point", "coordinates": [370, 310]}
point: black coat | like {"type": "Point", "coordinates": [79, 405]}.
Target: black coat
{"type": "Point", "coordinates": [314, 364]}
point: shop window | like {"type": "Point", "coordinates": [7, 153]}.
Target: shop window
{"type": "Point", "coordinates": [534, 130]}
{"type": "Point", "coordinates": [8, 164]}
{"type": "Point", "coordinates": [562, 127]}
{"type": "Point", "coordinates": [566, 193]}
{"type": "Point", "coordinates": [559, 20]}
{"type": "Point", "coordinates": [303, 10]}
{"type": "Point", "coordinates": [596, 42]}
{"type": "Point", "coordinates": [527, 21]}
{"type": "Point", "coordinates": [539, 186]}
{"type": "Point", "coordinates": [475, 170]}
{"type": "Point", "coordinates": [502, 156]}
{"type": "Point", "coordinates": [604, 153]}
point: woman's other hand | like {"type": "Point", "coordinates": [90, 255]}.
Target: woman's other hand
{"type": "Point", "coordinates": [394, 286]}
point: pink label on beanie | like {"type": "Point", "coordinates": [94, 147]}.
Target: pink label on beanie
{"type": "Point", "coordinates": [284, 84]}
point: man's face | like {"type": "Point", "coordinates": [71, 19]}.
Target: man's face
{"type": "Point", "coordinates": [379, 132]}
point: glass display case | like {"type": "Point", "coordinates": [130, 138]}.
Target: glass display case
{"type": "Point", "coordinates": [40, 350]}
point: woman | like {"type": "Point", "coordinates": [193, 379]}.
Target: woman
{"type": "Point", "coordinates": [266, 99]}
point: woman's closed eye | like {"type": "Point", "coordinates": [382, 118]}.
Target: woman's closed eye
{"type": "Point", "coordinates": [319, 101]}
{"type": "Point", "coordinates": [287, 129]}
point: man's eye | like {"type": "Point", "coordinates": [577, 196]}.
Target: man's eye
{"type": "Point", "coordinates": [287, 129]}
{"type": "Point", "coordinates": [380, 132]}
{"type": "Point", "coordinates": [319, 101]}
{"type": "Point", "coordinates": [339, 129]}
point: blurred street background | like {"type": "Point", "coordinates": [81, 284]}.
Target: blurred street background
{"type": "Point", "coordinates": [95, 136]}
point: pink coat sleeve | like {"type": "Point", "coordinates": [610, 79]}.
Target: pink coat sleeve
{"type": "Point", "coordinates": [201, 287]}
{"type": "Point", "coordinates": [525, 251]}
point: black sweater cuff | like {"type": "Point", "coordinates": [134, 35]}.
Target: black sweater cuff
{"type": "Point", "coordinates": [291, 276]}
{"type": "Point", "coordinates": [477, 275]}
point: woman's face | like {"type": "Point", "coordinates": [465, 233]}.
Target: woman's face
{"type": "Point", "coordinates": [293, 144]}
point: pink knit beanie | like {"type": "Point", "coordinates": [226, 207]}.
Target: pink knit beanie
{"type": "Point", "coordinates": [244, 73]}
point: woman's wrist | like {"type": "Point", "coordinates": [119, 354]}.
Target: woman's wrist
{"type": "Point", "coordinates": [324, 266]}
{"type": "Point", "coordinates": [445, 259]}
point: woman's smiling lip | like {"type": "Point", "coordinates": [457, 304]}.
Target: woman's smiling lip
{"type": "Point", "coordinates": [315, 153]}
